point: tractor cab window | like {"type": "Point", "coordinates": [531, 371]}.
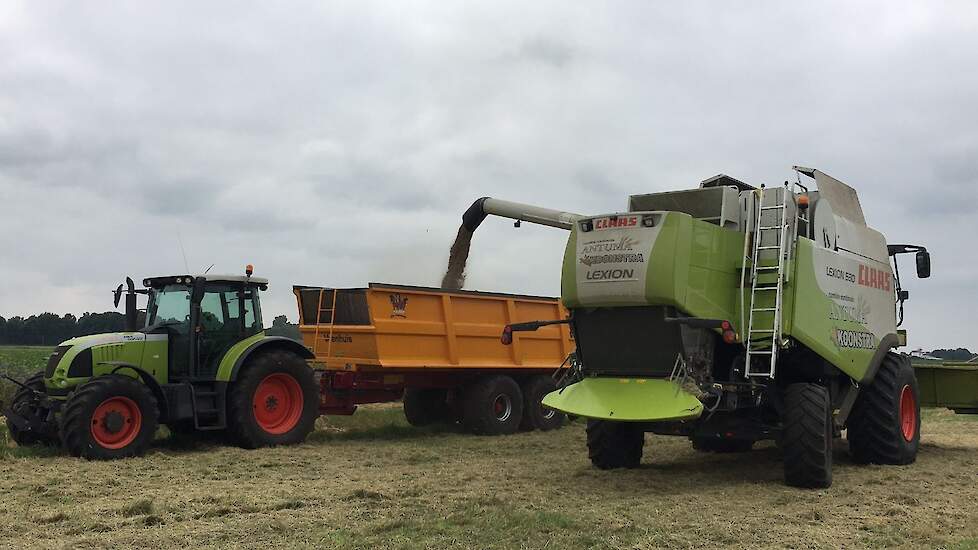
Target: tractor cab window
{"type": "Point", "coordinates": [170, 306]}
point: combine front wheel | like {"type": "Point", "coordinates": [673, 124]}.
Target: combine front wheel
{"type": "Point", "coordinates": [109, 417]}
{"type": "Point", "coordinates": [884, 427]}
{"type": "Point", "coordinates": [275, 401]}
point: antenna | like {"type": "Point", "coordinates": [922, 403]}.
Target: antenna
{"type": "Point", "coordinates": [184, 253]}
{"type": "Point", "coordinates": [208, 270]}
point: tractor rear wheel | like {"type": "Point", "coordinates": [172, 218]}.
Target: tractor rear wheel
{"type": "Point", "coordinates": [807, 436]}
{"type": "Point", "coordinates": [109, 417]}
{"type": "Point", "coordinates": [614, 444]}
{"type": "Point", "coordinates": [535, 415]}
{"type": "Point", "coordinates": [275, 401]}
{"type": "Point", "coordinates": [884, 426]}
{"type": "Point", "coordinates": [492, 405]}
{"type": "Point", "coordinates": [29, 407]}
{"type": "Point", "coordinates": [425, 406]}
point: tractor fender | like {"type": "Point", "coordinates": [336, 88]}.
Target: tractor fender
{"type": "Point", "coordinates": [239, 353]}
{"type": "Point", "coordinates": [147, 379]}
{"type": "Point", "coordinates": [888, 342]}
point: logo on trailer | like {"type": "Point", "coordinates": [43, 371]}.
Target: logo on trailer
{"type": "Point", "coordinates": [399, 303]}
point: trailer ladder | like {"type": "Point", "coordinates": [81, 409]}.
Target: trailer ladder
{"type": "Point", "coordinates": [764, 339]}
{"type": "Point", "coordinates": [319, 316]}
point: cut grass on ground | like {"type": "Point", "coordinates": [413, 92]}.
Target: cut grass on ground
{"type": "Point", "coordinates": [370, 481]}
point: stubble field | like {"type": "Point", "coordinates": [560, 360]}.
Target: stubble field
{"type": "Point", "coordinates": [371, 481]}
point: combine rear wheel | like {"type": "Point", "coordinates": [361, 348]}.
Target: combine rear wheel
{"type": "Point", "coordinates": [535, 415]}
{"type": "Point", "coordinates": [275, 401]}
{"type": "Point", "coordinates": [884, 426]}
{"type": "Point", "coordinates": [109, 417]}
{"type": "Point", "coordinates": [492, 405]}
{"type": "Point", "coordinates": [614, 444]}
{"type": "Point", "coordinates": [807, 436]}
{"type": "Point", "coordinates": [28, 406]}
{"type": "Point", "coordinates": [423, 407]}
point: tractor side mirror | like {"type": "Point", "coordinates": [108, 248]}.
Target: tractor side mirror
{"type": "Point", "coordinates": [923, 264]}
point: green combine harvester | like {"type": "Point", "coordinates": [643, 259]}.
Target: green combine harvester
{"type": "Point", "coordinates": [731, 314]}
{"type": "Point", "coordinates": [200, 363]}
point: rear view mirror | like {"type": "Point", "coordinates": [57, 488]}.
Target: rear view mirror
{"type": "Point", "coordinates": [923, 264]}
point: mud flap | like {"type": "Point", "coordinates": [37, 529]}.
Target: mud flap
{"type": "Point", "coordinates": [626, 399]}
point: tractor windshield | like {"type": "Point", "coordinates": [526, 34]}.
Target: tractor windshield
{"type": "Point", "coordinates": [169, 305]}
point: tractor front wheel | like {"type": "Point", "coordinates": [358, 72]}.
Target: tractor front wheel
{"type": "Point", "coordinates": [275, 401]}
{"type": "Point", "coordinates": [109, 417]}
{"type": "Point", "coordinates": [614, 444]}
{"type": "Point", "coordinates": [884, 426]}
{"type": "Point", "coordinates": [26, 404]}
{"type": "Point", "coordinates": [807, 436]}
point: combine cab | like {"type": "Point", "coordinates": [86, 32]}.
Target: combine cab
{"type": "Point", "coordinates": [199, 363]}
{"type": "Point", "coordinates": [730, 314]}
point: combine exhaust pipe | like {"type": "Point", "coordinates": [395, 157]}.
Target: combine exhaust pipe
{"type": "Point", "coordinates": [485, 206]}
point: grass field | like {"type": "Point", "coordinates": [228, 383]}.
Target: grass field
{"type": "Point", "coordinates": [370, 481]}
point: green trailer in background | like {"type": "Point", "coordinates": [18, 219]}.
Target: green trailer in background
{"type": "Point", "coordinates": [952, 385]}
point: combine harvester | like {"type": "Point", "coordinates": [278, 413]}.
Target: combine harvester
{"type": "Point", "coordinates": [731, 314]}
{"type": "Point", "coordinates": [202, 363]}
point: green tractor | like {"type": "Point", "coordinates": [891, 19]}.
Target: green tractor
{"type": "Point", "coordinates": [200, 363]}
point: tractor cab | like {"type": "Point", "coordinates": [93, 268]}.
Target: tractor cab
{"type": "Point", "coordinates": [202, 317]}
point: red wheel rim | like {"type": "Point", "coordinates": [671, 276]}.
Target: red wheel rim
{"type": "Point", "coordinates": [116, 422]}
{"type": "Point", "coordinates": [908, 413]}
{"type": "Point", "coordinates": [278, 403]}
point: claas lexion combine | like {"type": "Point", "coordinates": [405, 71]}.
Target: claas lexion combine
{"type": "Point", "coordinates": [731, 314]}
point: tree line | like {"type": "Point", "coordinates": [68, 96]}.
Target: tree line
{"type": "Point", "coordinates": [50, 329]}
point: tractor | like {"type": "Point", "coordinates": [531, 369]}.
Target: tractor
{"type": "Point", "coordinates": [730, 314]}
{"type": "Point", "coordinates": [200, 363]}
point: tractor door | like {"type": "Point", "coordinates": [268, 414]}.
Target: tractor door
{"type": "Point", "coordinates": [169, 313]}
{"type": "Point", "coordinates": [228, 314]}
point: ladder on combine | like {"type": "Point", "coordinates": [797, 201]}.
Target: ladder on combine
{"type": "Point", "coordinates": [319, 318]}
{"type": "Point", "coordinates": [764, 322]}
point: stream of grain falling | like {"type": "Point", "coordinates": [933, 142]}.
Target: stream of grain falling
{"type": "Point", "coordinates": [454, 278]}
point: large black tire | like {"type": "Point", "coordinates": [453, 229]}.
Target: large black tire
{"type": "Point", "coordinates": [614, 444]}
{"type": "Point", "coordinates": [535, 415]}
{"type": "Point", "coordinates": [884, 426]}
{"type": "Point", "coordinates": [109, 417]}
{"type": "Point", "coordinates": [275, 401]}
{"type": "Point", "coordinates": [492, 405]}
{"type": "Point", "coordinates": [423, 407]}
{"type": "Point", "coordinates": [807, 436]}
{"type": "Point", "coordinates": [26, 404]}
{"type": "Point", "coordinates": [720, 445]}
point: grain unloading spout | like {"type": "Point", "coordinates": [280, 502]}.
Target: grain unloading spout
{"type": "Point", "coordinates": [520, 212]}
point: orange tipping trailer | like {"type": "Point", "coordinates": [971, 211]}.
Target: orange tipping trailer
{"type": "Point", "coordinates": [438, 349]}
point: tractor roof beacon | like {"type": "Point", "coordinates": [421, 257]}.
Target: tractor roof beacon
{"type": "Point", "coordinates": [198, 362]}
{"type": "Point", "coordinates": [730, 313]}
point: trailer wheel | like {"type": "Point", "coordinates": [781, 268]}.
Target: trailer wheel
{"type": "Point", "coordinates": [492, 405]}
{"type": "Point", "coordinates": [884, 426]}
{"type": "Point", "coordinates": [109, 417]}
{"type": "Point", "coordinates": [423, 407]}
{"type": "Point", "coordinates": [535, 415]}
{"type": "Point", "coordinates": [614, 444]}
{"type": "Point", "coordinates": [807, 436]}
{"type": "Point", "coordinates": [28, 406]}
{"type": "Point", "coordinates": [275, 401]}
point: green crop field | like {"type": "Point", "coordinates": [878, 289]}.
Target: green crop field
{"type": "Point", "coordinates": [370, 481]}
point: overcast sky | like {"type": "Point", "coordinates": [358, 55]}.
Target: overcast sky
{"type": "Point", "coordinates": [338, 143]}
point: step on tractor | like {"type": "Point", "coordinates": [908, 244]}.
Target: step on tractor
{"type": "Point", "coordinates": [731, 314]}
{"type": "Point", "coordinates": [200, 363]}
